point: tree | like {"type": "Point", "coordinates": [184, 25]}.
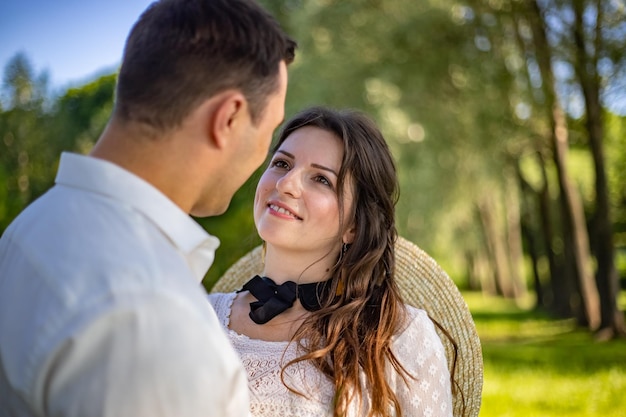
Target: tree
{"type": "Point", "coordinates": [24, 154]}
{"type": "Point", "coordinates": [575, 236]}
{"type": "Point", "coordinates": [81, 114]}
{"type": "Point", "coordinates": [589, 46]}
{"type": "Point", "coordinates": [34, 132]}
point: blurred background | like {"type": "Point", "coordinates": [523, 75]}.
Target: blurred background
{"type": "Point", "coordinates": [507, 120]}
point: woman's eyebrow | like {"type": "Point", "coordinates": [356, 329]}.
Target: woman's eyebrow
{"type": "Point", "coordinates": [318, 166]}
{"type": "Point", "coordinates": [286, 153]}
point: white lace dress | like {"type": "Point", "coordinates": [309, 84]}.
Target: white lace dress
{"type": "Point", "coordinates": [417, 347]}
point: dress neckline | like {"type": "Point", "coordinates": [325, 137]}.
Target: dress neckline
{"type": "Point", "coordinates": [240, 336]}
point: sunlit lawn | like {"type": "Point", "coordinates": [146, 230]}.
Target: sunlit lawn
{"type": "Point", "coordinates": [537, 366]}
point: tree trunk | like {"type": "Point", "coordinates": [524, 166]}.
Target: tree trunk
{"type": "Point", "coordinates": [496, 247]}
{"type": "Point", "coordinates": [601, 226]}
{"type": "Point", "coordinates": [485, 271]}
{"type": "Point", "coordinates": [473, 272]}
{"type": "Point", "coordinates": [514, 238]}
{"type": "Point", "coordinates": [573, 210]}
{"type": "Point", "coordinates": [560, 290]}
{"type": "Point", "coordinates": [528, 229]}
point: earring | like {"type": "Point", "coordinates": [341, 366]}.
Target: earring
{"type": "Point", "coordinates": [344, 249]}
{"type": "Point", "coordinates": [339, 290]}
{"type": "Point", "coordinates": [340, 287]}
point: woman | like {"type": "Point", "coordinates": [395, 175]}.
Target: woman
{"type": "Point", "coordinates": [324, 332]}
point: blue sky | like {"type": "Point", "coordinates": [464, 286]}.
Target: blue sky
{"type": "Point", "coordinates": [74, 40]}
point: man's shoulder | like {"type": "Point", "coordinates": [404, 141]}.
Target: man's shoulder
{"type": "Point", "coordinates": [83, 220]}
{"type": "Point", "coordinates": [67, 242]}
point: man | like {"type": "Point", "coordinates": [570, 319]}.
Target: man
{"type": "Point", "coordinates": [101, 310]}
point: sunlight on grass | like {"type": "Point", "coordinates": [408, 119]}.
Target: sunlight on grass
{"type": "Point", "coordinates": [538, 366]}
{"type": "Point", "coordinates": [537, 392]}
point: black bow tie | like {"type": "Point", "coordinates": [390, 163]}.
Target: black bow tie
{"type": "Point", "coordinates": [273, 299]}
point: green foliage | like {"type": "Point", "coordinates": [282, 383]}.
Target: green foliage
{"type": "Point", "coordinates": [22, 88]}
{"type": "Point", "coordinates": [615, 152]}
{"type": "Point", "coordinates": [33, 133]}
{"type": "Point", "coordinates": [25, 166]}
{"type": "Point", "coordinates": [82, 113]}
{"type": "Point", "coordinates": [537, 366]}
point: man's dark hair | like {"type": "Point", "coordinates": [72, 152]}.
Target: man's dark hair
{"type": "Point", "coordinates": [181, 52]}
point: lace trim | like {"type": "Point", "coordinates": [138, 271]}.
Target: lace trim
{"type": "Point", "coordinates": [417, 347]}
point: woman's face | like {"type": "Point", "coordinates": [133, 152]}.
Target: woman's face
{"type": "Point", "coordinates": [296, 204]}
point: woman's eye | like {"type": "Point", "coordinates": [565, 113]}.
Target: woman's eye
{"type": "Point", "coordinates": [279, 163]}
{"type": "Point", "coordinates": [322, 179]}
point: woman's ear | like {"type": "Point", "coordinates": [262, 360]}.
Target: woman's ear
{"type": "Point", "coordinates": [229, 117]}
{"type": "Point", "coordinates": [348, 236]}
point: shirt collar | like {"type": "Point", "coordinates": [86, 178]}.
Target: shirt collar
{"type": "Point", "coordinates": [106, 178]}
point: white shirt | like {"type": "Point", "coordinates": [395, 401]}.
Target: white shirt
{"type": "Point", "coordinates": [417, 347]}
{"type": "Point", "coordinates": [101, 309]}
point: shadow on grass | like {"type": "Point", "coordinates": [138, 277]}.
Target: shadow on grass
{"type": "Point", "coordinates": [568, 354]}
{"type": "Point", "coordinates": [513, 339]}
{"type": "Point", "coordinates": [521, 315]}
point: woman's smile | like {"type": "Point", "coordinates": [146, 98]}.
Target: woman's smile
{"type": "Point", "coordinates": [279, 211]}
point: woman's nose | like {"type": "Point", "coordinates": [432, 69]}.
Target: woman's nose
{"type": "Point", "coordinates": [290, 184]}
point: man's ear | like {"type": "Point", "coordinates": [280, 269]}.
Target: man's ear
{"type": "Point", "coordinates": [229, 117]}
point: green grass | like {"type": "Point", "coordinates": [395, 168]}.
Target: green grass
{"type": "Point", "coordinates": [538, 366]}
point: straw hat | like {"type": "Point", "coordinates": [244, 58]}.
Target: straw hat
{"type": "Point", "coordinates": [423, 284]}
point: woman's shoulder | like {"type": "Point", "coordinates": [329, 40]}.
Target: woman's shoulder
{"type": "Point", "coordinates": [418, 328]}
{"type": "Point", "coordinates": [222, 304]}
{"type": "Point", "coordinates": [416, 316]}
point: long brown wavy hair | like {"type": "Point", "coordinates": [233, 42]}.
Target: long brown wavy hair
{"type": "Point", "coordinates": [352, 332]}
